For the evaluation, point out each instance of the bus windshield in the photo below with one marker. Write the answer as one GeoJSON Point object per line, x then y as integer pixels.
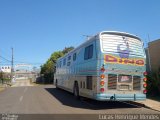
{"type": "Point", "coordinates": [122, 44]}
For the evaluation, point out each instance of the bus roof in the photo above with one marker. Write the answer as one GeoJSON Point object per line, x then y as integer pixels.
{"type": "Point", "coordinates": [98, 36]}
{"type": "Point", "coordinates": [120, 33]}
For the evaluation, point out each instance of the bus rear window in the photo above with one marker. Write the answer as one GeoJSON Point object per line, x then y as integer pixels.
{"type": "Point", "coordinates": [122, 44]}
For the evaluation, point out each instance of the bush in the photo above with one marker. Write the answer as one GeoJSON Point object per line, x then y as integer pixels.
{"type": "Point", "coordinates": [153, 83]}
{"type": "Point", "coordinates": [48, 77]}
{"type": "Point", "coordinates": [6, 79]}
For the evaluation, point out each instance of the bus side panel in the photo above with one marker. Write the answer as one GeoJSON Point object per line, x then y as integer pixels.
{"type": "Point", "coordinates": [85, 72]}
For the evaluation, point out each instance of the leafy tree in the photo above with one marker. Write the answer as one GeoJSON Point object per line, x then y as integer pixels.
{"type": "Point", "coordinates": [55, 56]}
{"type": "Point", "coordinates": [67, 49]}
{"type": "Point", "coordinates": [48, 69]}
{"type": "Point", "coordinates": [153, 83]}
{"type": "Point", "coordinates": [1, 77]}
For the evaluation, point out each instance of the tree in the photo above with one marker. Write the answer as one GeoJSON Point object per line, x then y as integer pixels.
{"type": "Point", "coordinates": [55, 56]}
{"type": "Point", "coordinates": [1, 76]}
{"type": "Point", "coordinates": [48, 69]}
{"type": "Point", "coordinates": [67, 49]}
{"type": "Point", "coordinates": [153, 83]}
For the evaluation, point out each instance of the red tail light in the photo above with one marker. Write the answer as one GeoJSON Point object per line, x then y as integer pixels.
{"type": "Point", "coordinates": [145, 73]}
{"type": "Point", "coordinates": [102, 69]}
{"type": "Point", "coordinates": [102, 89]}
{"type": "Point", "coordinates": [145, 79]}
{"type": "Point", "coordinates": [102, 83]}
{"type": "Point", "coordinates": [144, 91]}
{"type": "Point", "coordinates": [102, 76]}
{"type": "Point", "coordinates": [144, 85]}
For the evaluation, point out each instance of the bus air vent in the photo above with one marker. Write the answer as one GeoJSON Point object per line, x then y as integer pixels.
{"type": "Point", "coordinates": [112, 82]}
{"type": "Point", "coordinates": [136, 83]}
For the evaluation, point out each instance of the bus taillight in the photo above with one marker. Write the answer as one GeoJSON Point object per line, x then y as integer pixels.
{"type": "Point", "coordinates": [102, 89]}
{"type": "Point", "coordinates": [145, 79]}
{"type": "Point", "coordinates": [145, 85]}
{"type": "Point", "coordinates": [102, 76]}
{"type": "Point", "coordinates": [102, 83]}
{"type": "Point", "coordinates": [102, 69]}
{"type": "Point", "coordinates": [145, 73]}
{"type": "Point", "coordinates": [144, 91]}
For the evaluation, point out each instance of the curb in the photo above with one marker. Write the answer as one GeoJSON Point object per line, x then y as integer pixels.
{"type": "Point", "coordinates": [143, 105]}
{"type": "Point", "coordinates": [137, 103]}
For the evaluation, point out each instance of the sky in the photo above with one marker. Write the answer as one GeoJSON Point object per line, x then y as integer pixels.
{"type": "Point", "coordinates": [37, 28]}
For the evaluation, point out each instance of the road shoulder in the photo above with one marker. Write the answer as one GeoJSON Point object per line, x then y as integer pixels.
{"type": "Point", "coordinates": [152, 104]}
{"type": "Point", "coordinates": [2, 87]}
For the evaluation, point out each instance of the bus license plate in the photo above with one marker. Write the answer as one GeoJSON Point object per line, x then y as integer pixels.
{"type": "Point", "coordinates": [124, 87]}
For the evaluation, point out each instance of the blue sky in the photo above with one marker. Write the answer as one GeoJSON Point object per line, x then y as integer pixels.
{"type": "Point", "coordinates": [37, 28]}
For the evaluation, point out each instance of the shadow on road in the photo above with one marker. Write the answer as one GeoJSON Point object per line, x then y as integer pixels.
{"type": "Point", "coordinates": [68, 99]}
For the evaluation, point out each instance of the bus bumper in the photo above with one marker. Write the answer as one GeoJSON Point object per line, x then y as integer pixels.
{"type": "Point", "coordinates": [120, 97]}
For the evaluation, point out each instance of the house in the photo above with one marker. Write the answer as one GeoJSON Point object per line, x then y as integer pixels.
{"type": "Point", "coordinates": [5, 69]}
{"type": "Point", "coordinates": [153, 55]}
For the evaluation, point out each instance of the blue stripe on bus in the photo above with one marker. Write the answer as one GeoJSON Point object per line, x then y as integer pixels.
{"type": "Point", "coordinates": [122, 97]}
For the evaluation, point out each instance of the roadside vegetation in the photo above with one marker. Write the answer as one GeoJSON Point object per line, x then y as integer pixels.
{"type": "Point", "coordinates": [153, 83]}
{"type": "Point", "coordinates": [4, 78]}
{"type": "Point", "coordinates": [48, 69]}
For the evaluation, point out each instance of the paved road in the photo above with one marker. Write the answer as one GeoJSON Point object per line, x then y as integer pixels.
{"type": "Point", "coordinates": [46, 99]}
{"type": "Point", "coordinates": [19, 83]}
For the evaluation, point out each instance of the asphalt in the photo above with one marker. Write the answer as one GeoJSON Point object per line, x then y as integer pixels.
{"type": "Point", "coordinates": [46, 99]}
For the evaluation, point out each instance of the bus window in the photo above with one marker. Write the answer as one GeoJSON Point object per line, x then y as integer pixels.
{"type": "Point", "coordinates": [74, 56]}
{"type": "Point", "coordinates": [60, 64]}
{"type": "Point", "coordinates": [69, 58]}
{"type": "Point", "coordinates": [64, 61]}
{"type": "Point", "coordinates": [68, 63]}
{"type": "Point", "coordinates": [88, 54]}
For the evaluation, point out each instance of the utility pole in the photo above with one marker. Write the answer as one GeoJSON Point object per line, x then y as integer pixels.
{"type": "Point", "coordinates": [149, 59]}
{"type": "Point", "coordinates": [12, 64]}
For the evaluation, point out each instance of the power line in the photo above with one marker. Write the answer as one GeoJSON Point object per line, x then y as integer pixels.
{"type": "Point", "coordinates": [5, 59]}
{"type": "Point", "coordinates": [12, 69]}
{"type": "Point", "coordinates": [5, 64]}
{"type": "Point", "coordinates": [10, 61]}
{"type": "Point", "coordinates": [28, 62]}
{"type": "Point", "coordinates": [4, 53]}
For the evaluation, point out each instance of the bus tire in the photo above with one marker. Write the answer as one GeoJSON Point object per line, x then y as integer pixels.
{"type": "Point", "coordinates": [76, 90]}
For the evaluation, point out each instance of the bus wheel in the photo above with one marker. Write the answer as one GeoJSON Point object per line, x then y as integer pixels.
{"type": "Point", "coordinates": [76, 90]}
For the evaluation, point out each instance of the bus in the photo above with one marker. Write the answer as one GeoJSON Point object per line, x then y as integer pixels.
{"type": "Point", "coordinates": [110, 66]}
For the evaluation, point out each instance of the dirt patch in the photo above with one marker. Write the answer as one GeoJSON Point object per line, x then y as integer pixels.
{"type": "Point", "coordinates": [1, 89]}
